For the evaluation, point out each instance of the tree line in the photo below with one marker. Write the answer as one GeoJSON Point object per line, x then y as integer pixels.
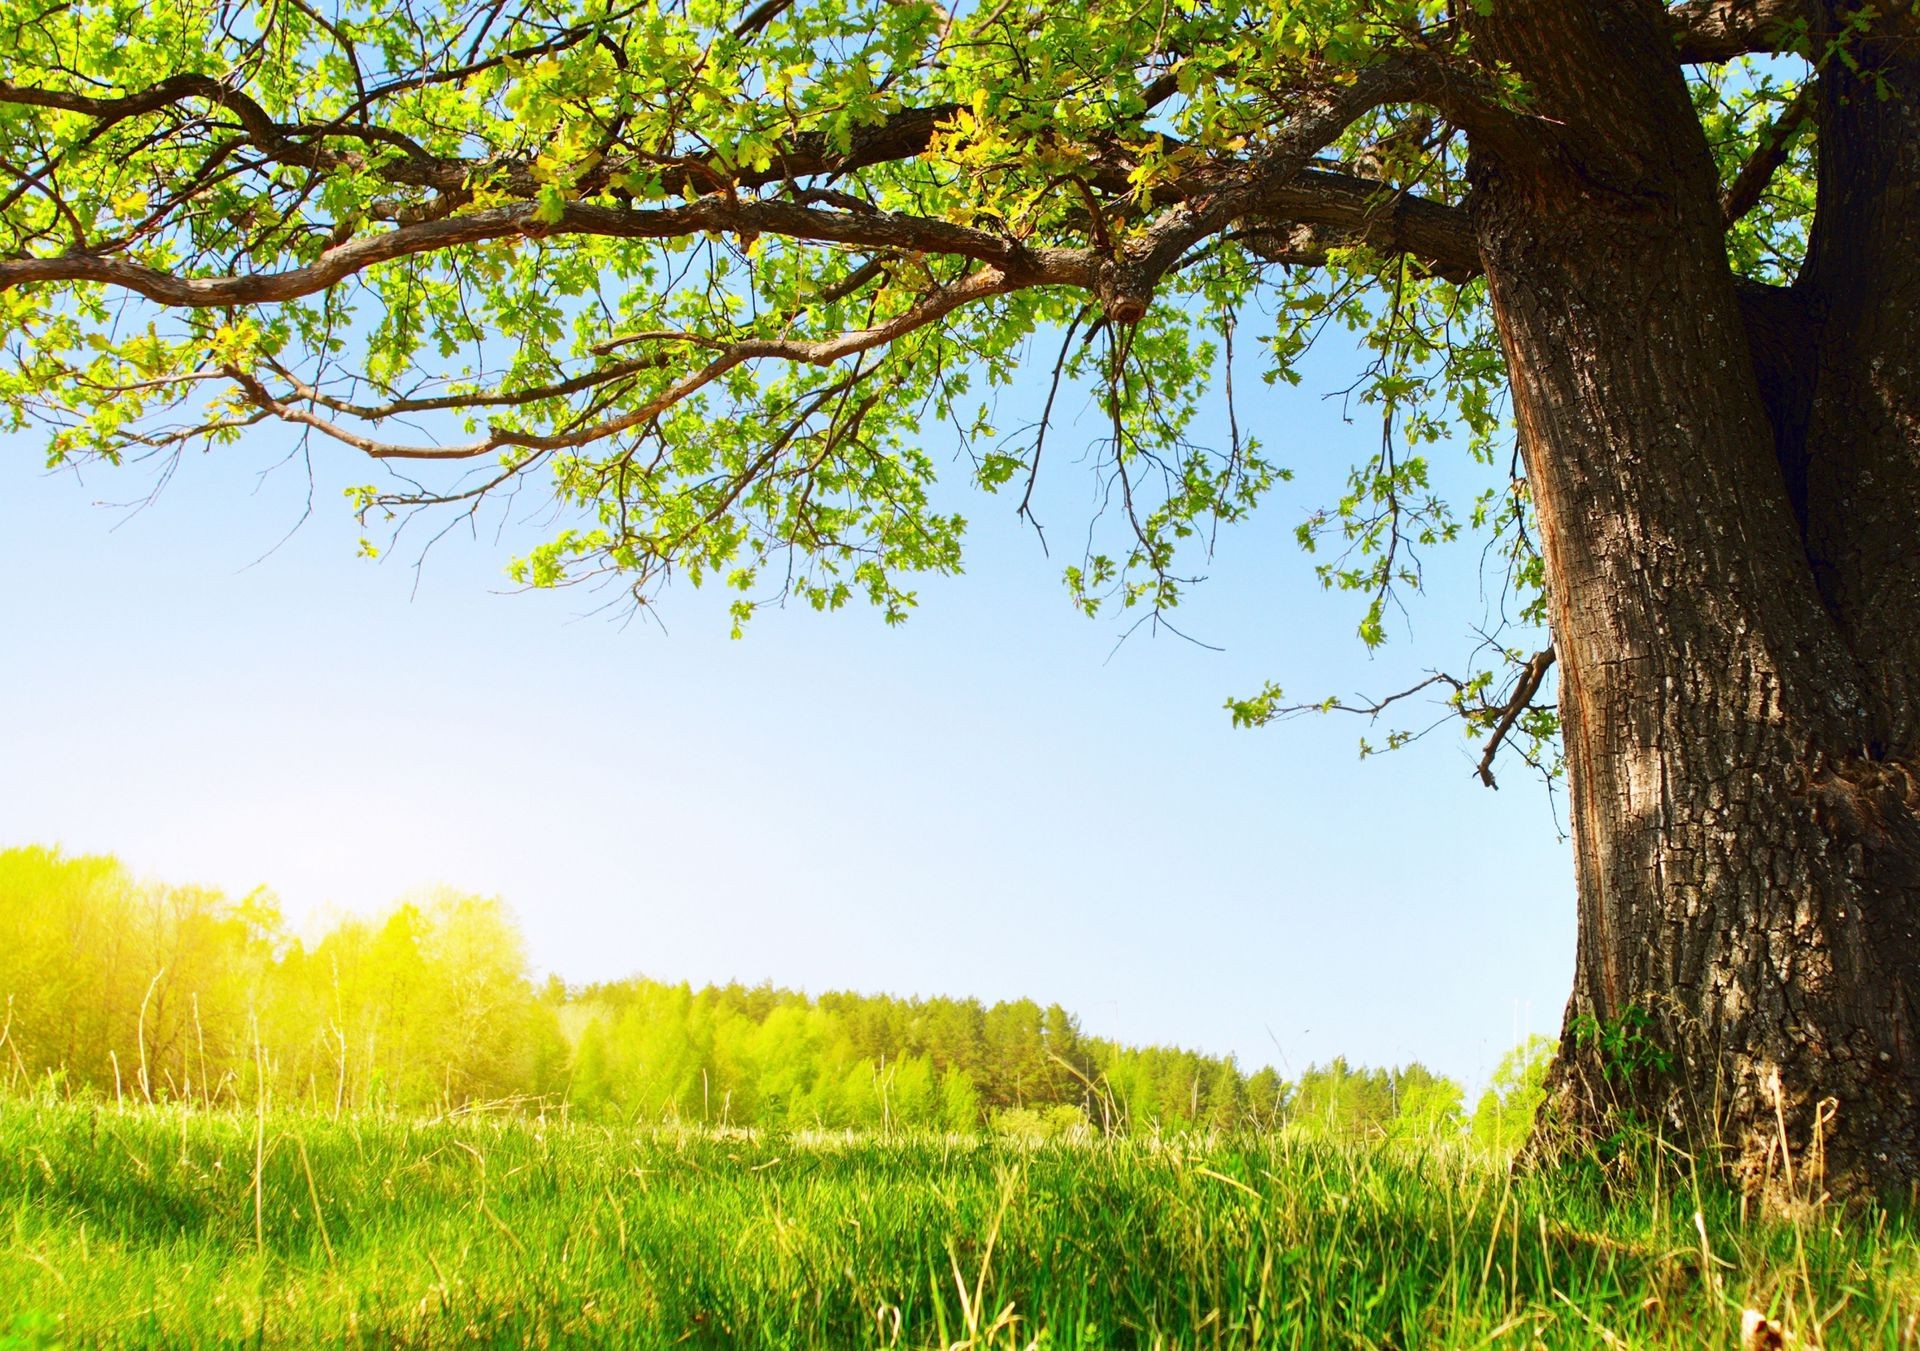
{"type": "Point", "coordinates": [148, 993]}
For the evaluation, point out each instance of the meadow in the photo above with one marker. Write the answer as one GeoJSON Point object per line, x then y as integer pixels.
{"type": "Point", "coordinates": [168, 1225]}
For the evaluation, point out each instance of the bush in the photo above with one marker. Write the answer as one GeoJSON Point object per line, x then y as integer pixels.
{"type": "Point", "coordinates": [1042, 1124]}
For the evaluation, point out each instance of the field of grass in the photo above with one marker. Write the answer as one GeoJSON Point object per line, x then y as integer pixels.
{"type": "Point", "coordinates": [161, 1227]}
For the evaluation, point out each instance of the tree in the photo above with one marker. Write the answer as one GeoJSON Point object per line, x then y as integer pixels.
{"type": "Point", "coordinates": [1513, 1095]}
{"type": "Point", "coordinates": [959, 1102]}
{"type": "Point", "coordinates": [1426, 1106]}
{"type": "Point", "coordinates": [711, 271]}
{"type": "Point", "coordinates": [1343, 1103]}
{"type": "Point", "coordinates": [1266, 1095]}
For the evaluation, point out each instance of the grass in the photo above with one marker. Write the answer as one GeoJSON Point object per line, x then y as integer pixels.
{"type": "Point", "coordinates": [162, 1227]}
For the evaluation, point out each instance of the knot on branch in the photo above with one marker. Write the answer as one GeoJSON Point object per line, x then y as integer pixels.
{"type": "Point", "coordinates": [1124, 291]}
{"type": "Point", "coordinates": [1866, 798]}
{"type": "Point", "coordinates": [1285, 242]}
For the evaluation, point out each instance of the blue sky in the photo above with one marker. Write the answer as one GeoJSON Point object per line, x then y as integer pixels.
{"type": "Point", "coordinates": [991, 800]}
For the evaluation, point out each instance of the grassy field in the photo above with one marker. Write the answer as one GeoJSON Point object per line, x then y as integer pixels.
{"type": "Point", "coordinates": [170, 1228]}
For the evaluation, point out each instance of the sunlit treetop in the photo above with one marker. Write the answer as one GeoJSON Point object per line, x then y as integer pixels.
{"type": "Point", "coordinates": [729, 282]}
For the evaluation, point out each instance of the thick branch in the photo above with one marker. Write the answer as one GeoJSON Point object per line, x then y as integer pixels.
{"type": "Point", "coordinates": [174, 89]}
{"type": "Point", "coordinates": [1126, 286]}
{"type": "Point", "coordinates": [1360, 211]}
{"type": "Point", "coordinates": [1722, 30]}
{"type": "Point", "coordinates": [711, 215]}
{"type": "Point", "coordinates": [1353, 208]}
{"type": "Point", "coordinates": [1783, 335]}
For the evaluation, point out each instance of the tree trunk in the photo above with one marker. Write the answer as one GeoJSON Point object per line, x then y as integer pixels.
{"type": "Point", "coordinates": [1728, 492]}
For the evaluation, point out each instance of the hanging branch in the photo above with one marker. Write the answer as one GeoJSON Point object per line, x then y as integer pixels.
{"type": "Point", "coordinates": [1521, 700]}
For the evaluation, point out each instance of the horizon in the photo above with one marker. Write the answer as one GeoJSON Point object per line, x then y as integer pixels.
{"type": "Point", "coordinates": [310, 930]}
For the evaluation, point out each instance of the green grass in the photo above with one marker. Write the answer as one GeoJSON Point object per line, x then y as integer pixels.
{"type": "Point", "coordinates": [147, 1228]}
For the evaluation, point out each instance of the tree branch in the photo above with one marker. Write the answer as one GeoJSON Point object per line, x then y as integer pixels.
{"type": "Point", "coordinates": [1125, 286]}
{"type": "Point", "coordinates": [1355, 209]}
{"type": "Point", "coordinates": [174, 89]}
{"type": "Point", "coordinates": [902, 135]}
{"type": "Point", "coordinates": [1271, 184]}
{"type": "Point", "coordinates": [1524, 689]}
{"type": "Point", "coordinates": [819, 352]}
{"type": "Point", "coordinates": [762, 15]}
{"type": "Point", "coordinates": [1361, 211]}
{"type": "Point", "coordinates": [1722, 30]}
{"type": "Point", "coordinates": [1750, 184]}
{"type": "Point", "coordinates": [718, 214]}
{"type": "Point", "coordinates": [561, 389]}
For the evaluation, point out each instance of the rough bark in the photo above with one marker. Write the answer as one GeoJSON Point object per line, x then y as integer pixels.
{"type": "Point", "coordinates": [1738, 699]}
{"type": "Point", "coordinates": [1863, 436]}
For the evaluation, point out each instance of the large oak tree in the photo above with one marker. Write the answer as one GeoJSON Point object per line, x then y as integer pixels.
{"type": "Point", "coordinates": [714, 275]}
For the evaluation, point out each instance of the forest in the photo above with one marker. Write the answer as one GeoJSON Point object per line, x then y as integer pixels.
{"type": "Point", "coordinates": [140, 992]}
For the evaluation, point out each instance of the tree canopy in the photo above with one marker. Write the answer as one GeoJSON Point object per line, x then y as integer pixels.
{"type": "Point", "coordinates": [723, 280]}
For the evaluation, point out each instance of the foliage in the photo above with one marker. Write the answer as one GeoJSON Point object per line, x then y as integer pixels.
{"type": "Point", "coordinates": [1340, 1102]}
{"type": "Point", "coordinates": [738, 1055]}
{"type": "Point", "coordinates": [1627, 1043]}
{"type": "Point", "coordinates": [1505, 1112]}
{"type": "Point", "coordinates": [1036, 1125]}
{"type": "Point", "coordinates": [157, 1227]}
{"type": "Point", "coordinates": [151, 993]}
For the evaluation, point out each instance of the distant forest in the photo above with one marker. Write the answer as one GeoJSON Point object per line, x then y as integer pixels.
{"type": "Point", "coordinates": [146, 993]}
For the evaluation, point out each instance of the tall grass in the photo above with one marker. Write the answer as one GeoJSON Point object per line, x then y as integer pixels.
{"type": "Point", "coordinates": [163, 1226]}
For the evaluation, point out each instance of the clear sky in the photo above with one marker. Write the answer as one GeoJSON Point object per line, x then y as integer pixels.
{"type": "Point", "coordinates": [991, 800]}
